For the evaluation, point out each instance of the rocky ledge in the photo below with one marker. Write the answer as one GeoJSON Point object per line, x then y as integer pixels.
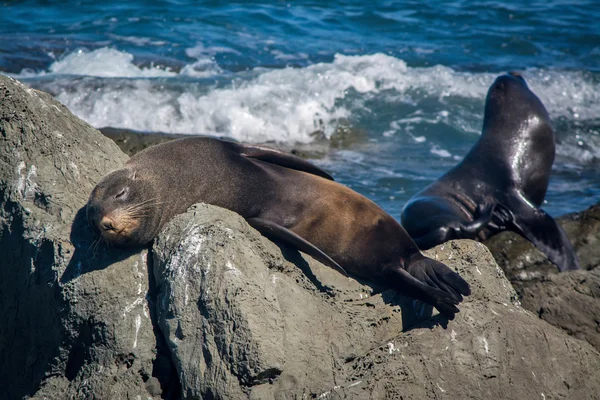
{"type": "Point", "coordinates": [569, 300]}
{"type": "Point", "coordinates": [215, 310]}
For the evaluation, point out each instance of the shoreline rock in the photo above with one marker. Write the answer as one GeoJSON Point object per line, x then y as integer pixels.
{"type": "Point", "coordinates": [131, 142]}
{"type": "Point", "coordinates": [245, 322]}
{"type": "Point", "coordinates": [568, 300]}
{"type": "Point", "coordinates": [214, 309]}
{"type": "Point", "coordinates": [72, 325]}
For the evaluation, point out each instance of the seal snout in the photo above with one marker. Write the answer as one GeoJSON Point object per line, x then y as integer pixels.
{"type": "Point", "coordinates": [118, 226]}
{"type": "Point", "coordinates": [106, 224]}
{"type": "Point", "coordinates": [508, 85]}
{"type": "Point", "coordinates": [115, 226]}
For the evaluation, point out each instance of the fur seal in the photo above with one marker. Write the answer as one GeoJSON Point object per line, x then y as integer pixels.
{"type": "Point", "coordinates": [282, 196]}
{"type": "Point", "coordinates": [500, 184]}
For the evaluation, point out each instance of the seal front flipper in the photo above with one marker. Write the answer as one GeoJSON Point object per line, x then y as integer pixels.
{"type": "Point", "coordinates": [276, 231]}
{"type": "Point", "coordinates": [431, 220]}
{"type": "Point", "coordinates": [429, 281]}
{"type": "Point", "coordinates": [280, 158]}
{"type": "Point", "coordinates": [542, 230]}
{"type": "Point", "coordinates": [427, 220]}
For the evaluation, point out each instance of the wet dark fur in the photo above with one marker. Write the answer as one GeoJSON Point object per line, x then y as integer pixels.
{"type": "Point", "coordinates": [500, 184]}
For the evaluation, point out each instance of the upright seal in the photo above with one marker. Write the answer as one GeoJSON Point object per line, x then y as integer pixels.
{"type": "Point", "coordinates": [283, 197]}
{"type": "Point", "coordinates": [500, 184]}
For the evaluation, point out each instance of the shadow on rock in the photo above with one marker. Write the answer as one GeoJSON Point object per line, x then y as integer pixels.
{"type": "Point", "coordinates": [164, 381]}
{"type": "Point", "coordinates": [294, 256]}
{"type": "Point", "coordinates": [415, 313]}
{"type": "Point", "coordinates": [91, 254]}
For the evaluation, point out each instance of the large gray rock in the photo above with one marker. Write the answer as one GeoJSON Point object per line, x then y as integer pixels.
{"type": "Point", "coordinates": [245, 319]}
{"type": "Point", "coordinates": [215, 310]}
{"type": "Point", "coordinates": [569, 300]}
{"type": "Point", "coordinates": [75, 319]}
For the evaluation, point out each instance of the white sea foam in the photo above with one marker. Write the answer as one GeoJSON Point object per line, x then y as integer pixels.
{"type": "Point", "coordinates": [104, 62]}
{"type": "Point", "coordinates": [205, 65]}
{"type": "Point", "coordinates": [570, 94]}
{"type": "Point", "coordinates": [291, 103]}
{"type": "Point", "coordinates": [110, 63]}
{"type": "Point", "coordinates": [575, 148]}
{"type": "Point", "coordinates": [440, 152]}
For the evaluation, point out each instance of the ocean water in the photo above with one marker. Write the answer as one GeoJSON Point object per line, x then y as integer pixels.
{"type": "Point", "coordinates": [392, 92]}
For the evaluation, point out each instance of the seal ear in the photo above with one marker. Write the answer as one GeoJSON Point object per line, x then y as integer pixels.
{"type": "Point", "coordinates": [542, 230]}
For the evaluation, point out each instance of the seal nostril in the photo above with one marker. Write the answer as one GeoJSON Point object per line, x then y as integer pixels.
{"type": "Point", "coordinates": [107, 225]}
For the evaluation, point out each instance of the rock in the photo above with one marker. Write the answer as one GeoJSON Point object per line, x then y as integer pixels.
{"type": "Point", "coordinates": [569, 300]}
{"type": "Point", "coordinates": [524, 263]}
{"type": "Point", "coordinates": [246, 319]}
{"type": "Point", "coordinates": [239, 316]}
{"type": "Point", "coordinates": [74, 324]}
{"type": "Point", "coordinates": [215, 310]}
{"type": "Point", "coordinates": [131, 142]}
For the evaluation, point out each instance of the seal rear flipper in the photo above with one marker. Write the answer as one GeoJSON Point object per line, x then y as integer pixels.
{"type": "Point", "coordinates": [280, 158]}
{"type": "Point", "coordinates": [430, 281]}
{"type": "Point", "coordinates": [276, 231]}
{"type": "Point", "coordinates": [542, 230]}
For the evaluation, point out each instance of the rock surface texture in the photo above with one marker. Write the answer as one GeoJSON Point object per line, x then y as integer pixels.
{"type": "Point", "coordinates": [215, 310]}
{"type": "Point", "coordinates": [568, 300]}
{"type": "Point", "coordinates": [76, 322]}
{"type": "Point", "coordinates": [242, 322]}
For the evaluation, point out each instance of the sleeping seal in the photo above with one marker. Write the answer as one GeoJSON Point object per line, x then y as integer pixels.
{"type": "Point", "coordinates": [280, 195]}
{"type": "Point", "coordinates": [500, 184]}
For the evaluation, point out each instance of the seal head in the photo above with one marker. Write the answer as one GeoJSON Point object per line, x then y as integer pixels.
{"type": "Point", "coordinates": [122, 209]}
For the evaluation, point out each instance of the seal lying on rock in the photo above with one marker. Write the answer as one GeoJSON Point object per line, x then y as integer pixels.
{"type": "Point", "coordinates": [280, 195]}
{"type": "Point", "coordinates": [500, 184]}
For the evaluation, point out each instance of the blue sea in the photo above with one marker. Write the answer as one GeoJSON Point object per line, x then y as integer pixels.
{"type": "Point", "coordinates": [392, 92]}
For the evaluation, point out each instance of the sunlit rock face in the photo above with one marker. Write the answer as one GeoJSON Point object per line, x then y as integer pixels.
{"type": "Point", "coordinates": [215, 310]}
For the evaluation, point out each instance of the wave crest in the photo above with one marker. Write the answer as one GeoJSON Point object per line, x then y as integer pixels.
{"type": "Point", "coordinates": [290, 104]}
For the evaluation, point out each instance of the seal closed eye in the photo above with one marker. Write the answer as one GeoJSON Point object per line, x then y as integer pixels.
{"type": "Point", "coordinates": [282, 196]}
{"type": "Point", "coordinates": [500, 184]}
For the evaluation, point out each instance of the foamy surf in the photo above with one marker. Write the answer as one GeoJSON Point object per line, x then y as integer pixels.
{"type": "Point", "coordinates": [104, 62]}
{"type": "Point", "coordinates": [405, 93]}
{"type": "Point", "coordinates": [291, 104]}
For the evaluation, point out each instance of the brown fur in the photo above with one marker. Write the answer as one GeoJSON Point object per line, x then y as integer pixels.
{"type": "Point", "coordinates": [343, 224]}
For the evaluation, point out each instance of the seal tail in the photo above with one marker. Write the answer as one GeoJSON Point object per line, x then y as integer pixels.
{"type": "Point", "coordinates": [432, 282]}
